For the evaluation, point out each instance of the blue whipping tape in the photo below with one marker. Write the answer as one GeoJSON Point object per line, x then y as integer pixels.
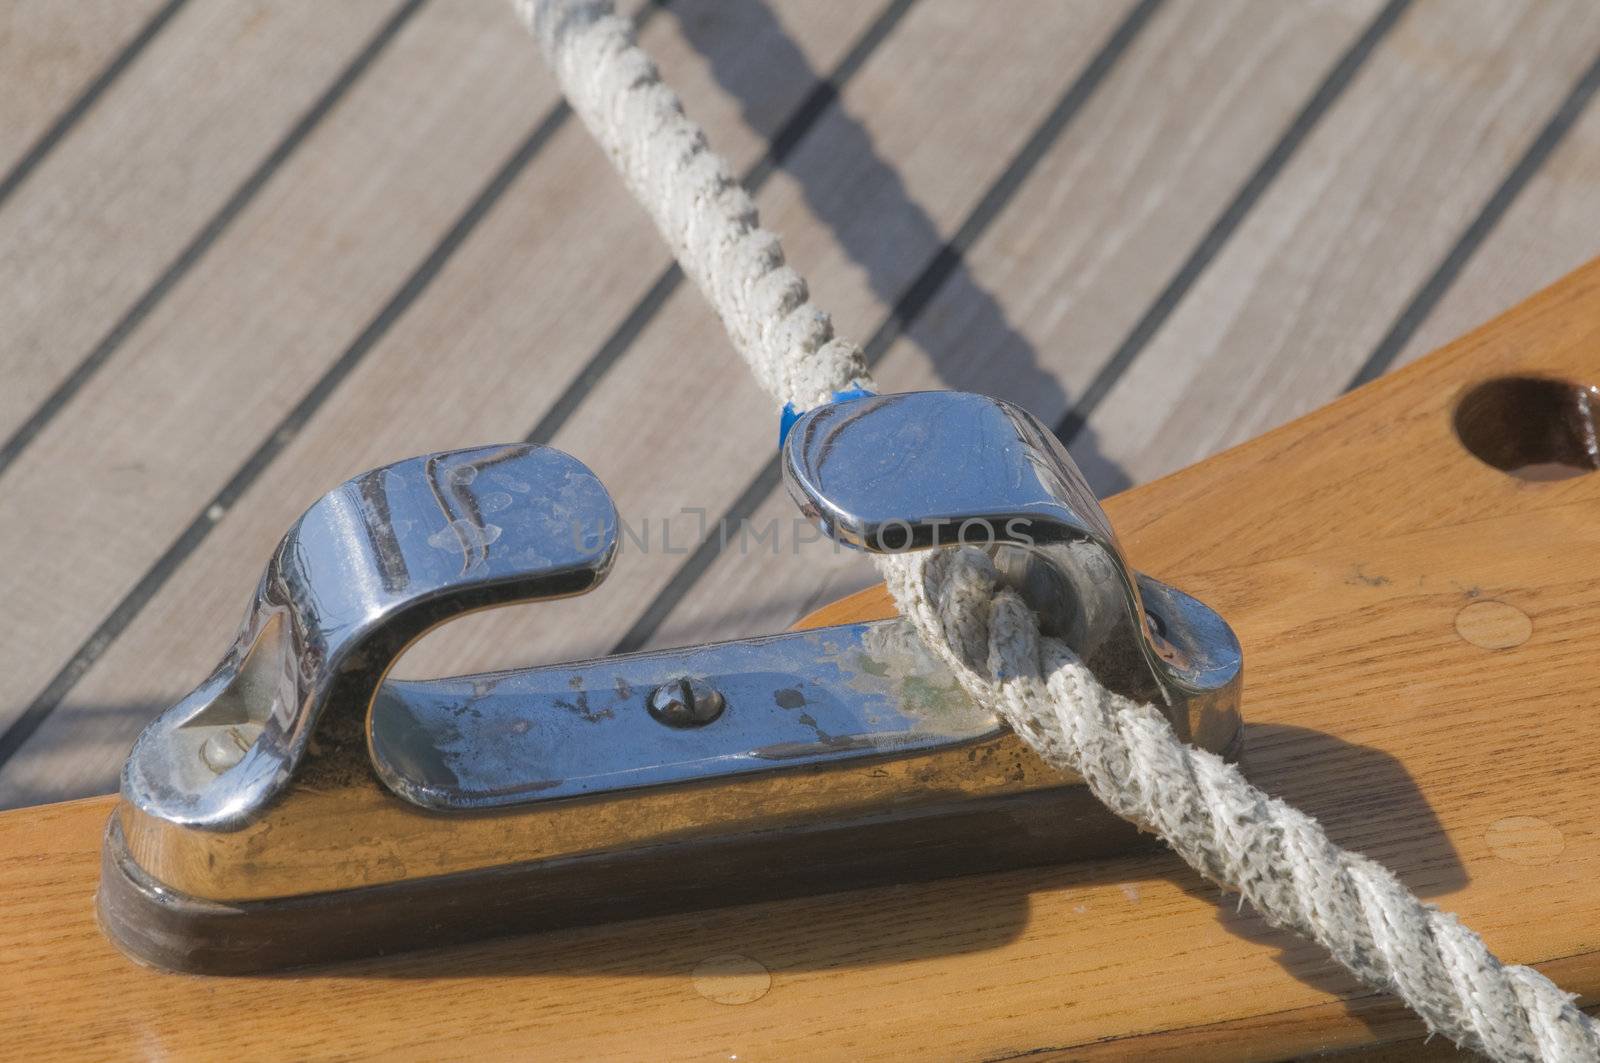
{"type": "Point", "coordinates": [791, 415]}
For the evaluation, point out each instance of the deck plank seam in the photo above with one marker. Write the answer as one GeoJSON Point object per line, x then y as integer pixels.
{"type": "Point", "coordinates": [204, 239]}
{"type": "Point", "coordinates": [790, 135]}
{"type": "Point", "coordinates": [915, 298]}
{"type": "Point", "coordinates": [16, 735]}
{"type": "Point", "coordinates": [1332, 88]}
{"type": "Point", "coordinates": [1495, 208]}
{"type": "Point", "coordinates": [87, 97]}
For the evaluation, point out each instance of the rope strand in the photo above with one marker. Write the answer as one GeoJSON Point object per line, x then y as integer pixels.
{"type": "Point", "coordinates": [699, 206]}
{"type": "Point", "coordinates": [1278, 858]}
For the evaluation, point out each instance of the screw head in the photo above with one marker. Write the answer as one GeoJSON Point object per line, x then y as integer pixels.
{"type": "Point", "coordinates": [685, 702]}
{"type": "Point", "coordinates": [225, 749]}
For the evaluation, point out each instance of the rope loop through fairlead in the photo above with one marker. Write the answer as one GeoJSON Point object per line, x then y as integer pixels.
{"type": "Point", "coordinates": [1276, 857]}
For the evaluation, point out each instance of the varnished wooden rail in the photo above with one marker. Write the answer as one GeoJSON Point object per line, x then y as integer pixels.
{"type": "Point", "coordinates": [1419, 629]}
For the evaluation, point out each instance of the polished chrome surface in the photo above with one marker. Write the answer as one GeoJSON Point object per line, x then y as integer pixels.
{"type": "Point", "coordinates": [296, 768]}
{"type": "Point", "coordinates": [926, 469]}
{"type": "Point", "coordinates": [830, 696]}
{"type": "Point", "coordinates": [685, 702]}
{"type": "Point", "coordinates": [368, 568]}
{"type": "Point", "coordinates": [396, 551]}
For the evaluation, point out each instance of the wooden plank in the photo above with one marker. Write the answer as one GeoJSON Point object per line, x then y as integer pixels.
{"type": "Point", "coordinates": [764, 601]}
{"type": "Point", "coordinates": [1291, 307]}
{"type": "Point", "coordinates": [1551, 228]}
{"type": "Point", "coordinates": [1463, 767]}
{"type": "Point", "coordinates": [1066, 270]}
{"type": "Point", "coordinates": [567, 253]}
{"type": "Point", "coordinates": [867, 200]}
{"type": "Point", "coordinates": [106, 211]}
{"type": "Point", "coordinates": [50, 53]}
{"type": "Point", "coordinates": [307, 263]}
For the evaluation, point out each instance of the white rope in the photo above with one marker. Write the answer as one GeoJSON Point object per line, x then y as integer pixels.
{"type": "Point", "coordinates": [1277, 857]}
{"type": "Point", "coordinates": [702, 210]}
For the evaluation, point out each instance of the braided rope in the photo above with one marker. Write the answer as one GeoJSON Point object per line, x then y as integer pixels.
{"type": "Point", "coordinates": [705, 214]}
{"type": "Point", "coordinates": [1277, 857]}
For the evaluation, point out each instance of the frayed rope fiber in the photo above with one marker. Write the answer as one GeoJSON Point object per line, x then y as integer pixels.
{"type": "Point", "coordinates": [1276, 857]}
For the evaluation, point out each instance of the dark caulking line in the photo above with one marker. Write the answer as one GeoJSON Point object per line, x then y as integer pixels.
{"type": "Point", "coordinates": [202, 242]}
{"type": "Point", "coordinates": [1322, 100]}
{"type": "Point", "coordinates": [781, 146]}
{"type": "Point", "coordinates": [1472, 237]}
{"type": "Point", "coordinates": [910, 304]}
{"type": "Point", "coordinates": [85, 100]}
{"type": "Point", "coordinates": [153, 580]}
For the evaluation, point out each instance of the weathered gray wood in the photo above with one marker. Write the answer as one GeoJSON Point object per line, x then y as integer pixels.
{"type": "Point", "coordinates": [533, 291]}
{"type": "Point", "coordinates": [50, 52]}
{"type": "Point", "coordinates": [1381, 179]}
{"type": "Point", "coordinates": [867, 200]}
{"type": "Point", "coordinates": [219, 361]}
{"type": "Point", "coordinates": [1068, 268]}
{"type": "Point", "coordinates": [1552, 228]}
{"type": "Point", "coordinates": [1277, 322]}
{"type": "Point", "coordinates": [1290, 310]}
{"type": "Point", "coordinates": [104, 213]}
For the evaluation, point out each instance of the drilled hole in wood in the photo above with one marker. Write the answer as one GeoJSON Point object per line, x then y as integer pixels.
{"type": "Point", "coordinates": [1533, 428]}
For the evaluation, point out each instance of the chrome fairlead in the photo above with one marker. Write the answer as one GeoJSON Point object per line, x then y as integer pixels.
{"type": "Point", "coordinates": [300, 807]}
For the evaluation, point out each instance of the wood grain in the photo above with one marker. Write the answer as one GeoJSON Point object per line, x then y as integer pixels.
{"type": "Point", "coordinates": [1442, 110]}
{"type": "Point", "coordinates": [1549, 231]}
{"type": "Point", "coordinates": [1294, 304]}
{"type": "Point", "coordinates": [472, 362]}
{"type": "Point", "coordinates": [558, 241]}
{"type": "Point", "coordinates": [50, 52]}
{"type": "Point", "coordinates": [1065, 271]}
{"type": "Point", "coordinates": [866, 200]}
{"type": "Point", "coordinates": [1284, 316]}
{"type": "Point", "coordinates": [348, 216]}
{"type": "Point", "coordinates": [104, 213]}
{"type": "Point", "coordinates": [1342, 548]}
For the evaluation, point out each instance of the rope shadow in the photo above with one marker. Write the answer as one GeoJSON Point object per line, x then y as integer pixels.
{"type": "Point", "coordinates": [998, 351]}
{"type": "Point", "coordinates": [1367, 802]}
{"type": "Point", "coordinates": [1365, 798]}
{"type": "Point", "coordinates": [977, 913]}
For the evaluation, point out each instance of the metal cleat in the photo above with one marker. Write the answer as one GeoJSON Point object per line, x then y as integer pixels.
{"type": "Point", "coordinates": [299, 807]}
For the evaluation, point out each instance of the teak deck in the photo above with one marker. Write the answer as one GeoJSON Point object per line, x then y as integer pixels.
{"type": "Point", "coordinates": [1418, 629]}
{"type": "Point", "coordinates": [248, 249]}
